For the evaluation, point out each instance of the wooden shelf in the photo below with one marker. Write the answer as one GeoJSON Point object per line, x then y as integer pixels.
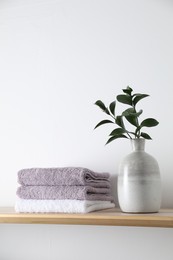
{"type": "Point", "coordinates": [112, 217]}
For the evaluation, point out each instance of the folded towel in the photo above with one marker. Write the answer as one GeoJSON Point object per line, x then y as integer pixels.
{"type": "Point", "coordinates": [63, 176]}
{"type": "Point", "coordinates": [64, 192]}
{"type": "Point", "coordinates": [65, 206]}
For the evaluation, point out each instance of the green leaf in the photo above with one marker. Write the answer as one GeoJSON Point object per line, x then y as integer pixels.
{"type": "Point", "coordinates": [145, 135]}
{"type": "Point", "coordinates": [128, 112]}
{"type": "Point", "coordinates": [102, 123]}
{"type": "Point", "coordinates": [116, 137]}
{"type": "Point", "coordinates": [107, 111]}
{"type": "Point", "coordinates": [138, 97]}
{"type": "Point", "coordinates": [132, 119]}
{"type": "Point", "coordinates": [131, 116]}
{"type": "Point", "coordinates": [149, 122]}
{"type": "Point", "coordinates": [132, 112]}
{"type": "Point", "coordinates": [128, 90]}
{"type": "Point", "coordinates": [100, 104]}
{"type": "Point", "coordinates": [112, 107]}
{"type": "Point", "coordinates": [139, 113]}
{"type": "Point", "coordinates": [119, 121]}
{"type": "Point", "coordinates": [124, 99]}
{"type": "Point", "coordinates": [118, 131]}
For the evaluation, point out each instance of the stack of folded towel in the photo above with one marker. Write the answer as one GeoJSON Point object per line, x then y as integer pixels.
{"type": "Point", "coordinates": [68, 190]}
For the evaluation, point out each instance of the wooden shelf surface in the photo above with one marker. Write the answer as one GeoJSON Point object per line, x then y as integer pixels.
{"type": "Point", "coordinates": [111, 217]}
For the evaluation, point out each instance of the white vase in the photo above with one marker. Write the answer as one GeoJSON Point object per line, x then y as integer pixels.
{"type": "Point", "coordinates": [139, 182]}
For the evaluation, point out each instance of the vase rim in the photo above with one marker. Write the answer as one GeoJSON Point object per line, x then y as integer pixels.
{"type": "Point", "coordinates": [138, 138]}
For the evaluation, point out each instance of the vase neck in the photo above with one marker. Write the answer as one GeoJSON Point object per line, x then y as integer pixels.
{"type": "Point", "coordinates": [138, 144]}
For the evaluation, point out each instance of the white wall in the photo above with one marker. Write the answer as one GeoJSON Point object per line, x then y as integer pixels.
{"type": "Point", "coordinates": [57, 57]}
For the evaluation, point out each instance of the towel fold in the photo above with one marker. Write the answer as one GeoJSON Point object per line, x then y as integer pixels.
{"type": "Point", "coordinates": [64, 192]}
{"type": "Point", "coordinates": [63, 206]}
{"type": "Point", "coordinates": [63, 176]}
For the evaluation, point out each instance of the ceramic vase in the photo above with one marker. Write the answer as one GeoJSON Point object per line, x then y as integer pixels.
{"type": "Point", "coordinates": [139, 181]}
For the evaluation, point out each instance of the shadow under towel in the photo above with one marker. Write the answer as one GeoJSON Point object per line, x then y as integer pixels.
{"type": "Point", "coordinates": [64, 192]}
{"type": "Point", "coordinates": [63, 176]}
{"type": "Point", "coordinates": [65, 206]}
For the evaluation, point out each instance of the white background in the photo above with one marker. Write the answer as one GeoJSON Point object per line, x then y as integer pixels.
{"type": "Point", "coordinates": [56, 59]}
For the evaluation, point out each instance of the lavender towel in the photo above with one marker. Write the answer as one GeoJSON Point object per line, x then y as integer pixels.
{"type": "Point", "coordinates": [64, 192]}
{"type": "Point", "coordinates": [63, 176]}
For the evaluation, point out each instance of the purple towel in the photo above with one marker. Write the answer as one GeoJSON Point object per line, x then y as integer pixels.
{"type": "Point", "coordinates": [63, 176]}
{"type": "Point", "coordinates": [64, 192]}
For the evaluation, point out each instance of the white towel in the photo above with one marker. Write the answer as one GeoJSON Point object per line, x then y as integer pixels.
{"type": "Point", "coordinates": [63, 206]}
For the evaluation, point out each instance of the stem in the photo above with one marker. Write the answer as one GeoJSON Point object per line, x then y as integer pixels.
{"type": "Point", "coordinates": [129, 135]}
{"type": "Point", "coordinates": [121, 127]}
{"type": "Point", "coordinates": [112, 116]}
{"type": "Point", "coordinates": [137, 132]}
